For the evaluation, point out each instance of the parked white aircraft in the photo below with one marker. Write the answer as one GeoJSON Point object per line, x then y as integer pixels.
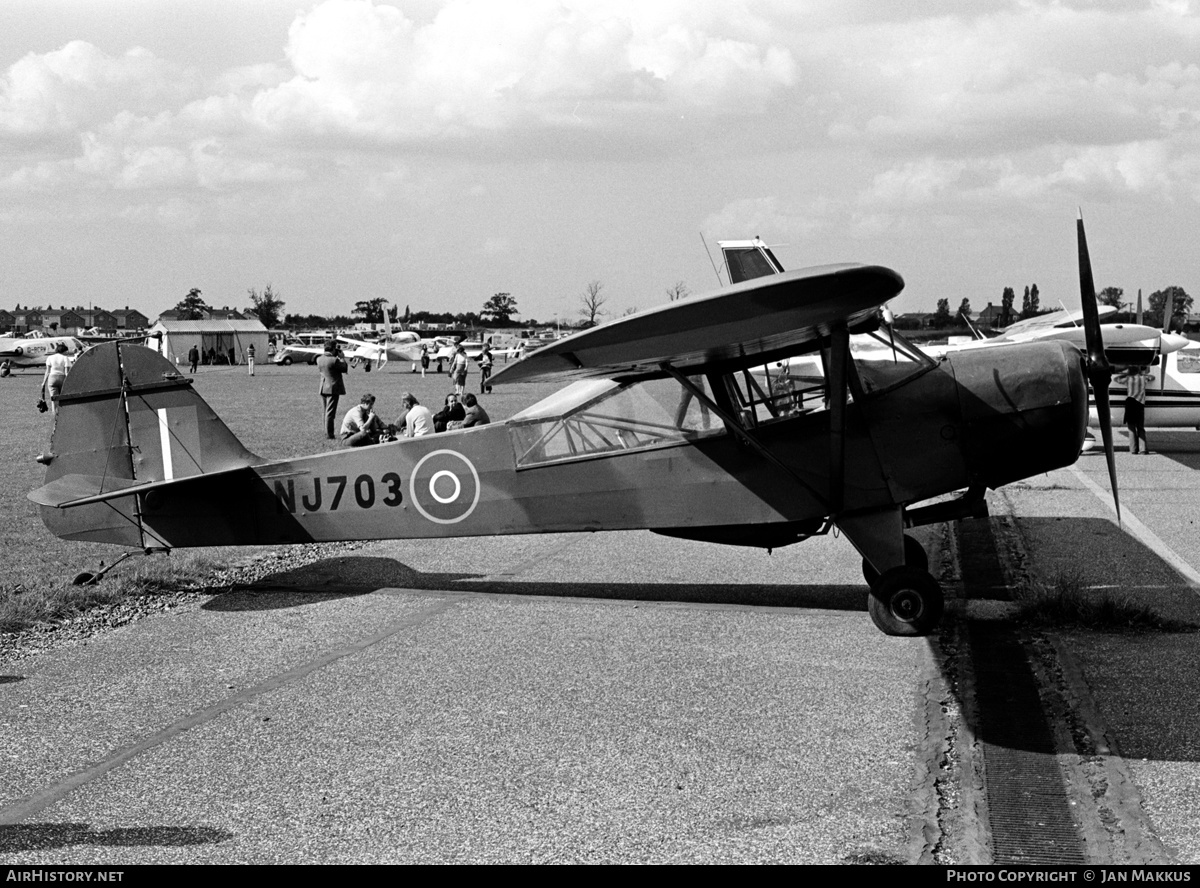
{"type": "Point", "coordinates": [1172, 398]}
{"type": "Point", "coordinates": [31, 350]}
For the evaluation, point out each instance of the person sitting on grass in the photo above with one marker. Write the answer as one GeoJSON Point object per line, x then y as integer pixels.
{"type": "Point", "coordinates": [418, 420]}
{"type": "Point", "coordinates": [361, 426]}
{"type": "Point", "coordinates": [475, 414]}
{"type": "Point", "coordinates": [452, 412]}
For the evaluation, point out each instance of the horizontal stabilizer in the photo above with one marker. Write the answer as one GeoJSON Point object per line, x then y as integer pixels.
{"type": "Point", "coordinates": [81, 490]}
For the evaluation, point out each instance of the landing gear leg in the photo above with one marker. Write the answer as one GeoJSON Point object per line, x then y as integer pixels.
{"type": "Point", "coordinates": [914, 556]}
{"type": "Point", "coordinates": [905, 599]}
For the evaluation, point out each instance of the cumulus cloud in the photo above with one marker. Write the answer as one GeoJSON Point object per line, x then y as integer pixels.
{"type": "Point", "coordinates": [985, 97]}
{"type": "Point", "coordinates": [80, 86]}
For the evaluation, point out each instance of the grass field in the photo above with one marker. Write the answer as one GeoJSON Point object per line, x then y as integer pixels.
{"type": "Point", "coordinates": [276, 414]}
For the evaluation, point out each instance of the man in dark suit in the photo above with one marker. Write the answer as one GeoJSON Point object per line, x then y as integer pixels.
{"type": "Point", "coordinates": [332, 367]}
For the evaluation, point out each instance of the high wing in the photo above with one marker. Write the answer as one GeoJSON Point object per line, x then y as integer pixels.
{"type": "Point", "coordinates": [749, 323]}
{"type": "Point", "coordinates": [1040, 325]}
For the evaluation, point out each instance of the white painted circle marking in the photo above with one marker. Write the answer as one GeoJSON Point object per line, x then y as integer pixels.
{"type": "Point", "coordinates": [453, 479]}
{"type": "Point", "coordinates": [458, 487]}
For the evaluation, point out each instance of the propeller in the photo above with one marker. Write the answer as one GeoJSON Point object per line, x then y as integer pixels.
{"type": "Point", "coordinates": [1168, 314]}
{"type": "Point", "coordinates": [1099, 371]}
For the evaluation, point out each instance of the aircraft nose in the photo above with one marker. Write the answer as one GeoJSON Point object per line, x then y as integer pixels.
{"type": "Point", "coordinates": [1172, 342]}
{"type": "Point", "coordinates": [1024, 409]}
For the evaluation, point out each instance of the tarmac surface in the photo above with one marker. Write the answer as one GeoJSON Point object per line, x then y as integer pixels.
{"type": "Point", "coordinates": [611, 698]}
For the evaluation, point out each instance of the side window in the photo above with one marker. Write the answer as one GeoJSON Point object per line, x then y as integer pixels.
{"type": "Point", "coordinates": [779, 390]}
{"type": "Point", "coordinates": [644, 415]}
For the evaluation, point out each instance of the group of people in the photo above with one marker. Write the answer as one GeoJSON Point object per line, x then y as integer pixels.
{"type": "Point", "coordinates": [362, 425]}
{"type": "Point", "coordinates": [194, 357]}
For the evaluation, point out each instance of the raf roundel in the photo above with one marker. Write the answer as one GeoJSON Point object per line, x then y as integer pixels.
{"type": "Point", "coordinates": [444, 487]}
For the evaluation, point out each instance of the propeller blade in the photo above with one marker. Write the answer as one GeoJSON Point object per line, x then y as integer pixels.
{"type": "Point", "coordinates": [1104, 413]}
{"type": "Point", "coordinates": [1099, 371]}
{"type": "Point", "coordinates": [1139, 314]}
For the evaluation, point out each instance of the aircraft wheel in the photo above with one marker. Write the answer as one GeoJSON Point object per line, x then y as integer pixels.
{"type": "Point", "coordinates": [86, 578]}
{"type": "Point", "coordinates": [367, 367]}
{"type": "Point", "coordinates": [906, 601]}
{"type": "Point", "coordinates": [914, 556]}
{"type": "Point", "coordinates": [287, 362]}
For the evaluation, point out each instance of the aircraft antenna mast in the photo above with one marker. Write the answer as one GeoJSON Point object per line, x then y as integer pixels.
{"type": "Point", "coordinates": [716, 270]}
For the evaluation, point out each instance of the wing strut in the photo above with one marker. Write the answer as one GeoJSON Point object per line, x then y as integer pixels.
{"type": "Point", "coordinates": [731, 423]}
{"type": "Point", "coordinates": [839, 353]}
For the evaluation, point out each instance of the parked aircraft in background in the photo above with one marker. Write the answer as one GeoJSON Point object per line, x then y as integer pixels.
{"type": "Point", "coordinates": [31, 350]}
{"type": "Point", "coordinates": [1172, 393]}
{"type": "Point", "coordinates": [404, 345]}
{"type": "Point", "coordinates": [664, 426]}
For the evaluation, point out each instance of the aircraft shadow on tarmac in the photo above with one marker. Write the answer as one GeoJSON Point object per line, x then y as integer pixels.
{"type": "Point", "coordinates": [1138, 678]}
{"type": "Point", "coordinates": [48, 836]}
{"type": "Point", "coordinates": [340, 577]}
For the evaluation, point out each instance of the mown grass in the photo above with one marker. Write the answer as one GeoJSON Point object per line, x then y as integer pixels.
{"type": "Point", "coordinates": [276, 414]}
{"type": "Point", "coordinates": [1066, 602]}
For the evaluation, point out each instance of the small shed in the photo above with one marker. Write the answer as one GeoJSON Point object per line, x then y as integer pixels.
{"type": "Point", "coordinates": [218, 340]}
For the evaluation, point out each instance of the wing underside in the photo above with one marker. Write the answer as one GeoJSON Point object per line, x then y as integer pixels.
{"type": "Point", "coordinates": [748, 323]}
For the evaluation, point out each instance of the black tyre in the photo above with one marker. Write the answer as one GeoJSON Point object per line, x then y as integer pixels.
{"type": "Point", "coordinates": [86, 578]}
{"type": "Point", "coordinates": [906, 601]}
{"type": "Point", "coordinates": [287, 362]}
{"type": "Point", "coordinates": [914, 556]}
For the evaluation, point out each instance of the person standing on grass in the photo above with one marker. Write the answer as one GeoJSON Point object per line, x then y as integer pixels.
{"type": "Point", "coordinates": [332, 368]}
{"type": "Point", "coordinates": [485, 369]}
{"type": "Point", "coordinates": [458, 370]}
{"type": "Point", "coordinates": [193, 358]}
{"type": "Point", "coordinates": [57, 365]}
{"type": "Point", "coordinates": [250, 357]}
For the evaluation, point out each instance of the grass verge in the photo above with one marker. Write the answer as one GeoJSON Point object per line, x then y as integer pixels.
{"type": "Point", "coordinates": [22, 607]}
{"type": "Point", "coordinates": [1068, 603]}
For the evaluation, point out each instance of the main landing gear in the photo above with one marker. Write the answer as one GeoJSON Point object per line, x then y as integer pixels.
{"type": "Point", "coordinates": [905, 600]}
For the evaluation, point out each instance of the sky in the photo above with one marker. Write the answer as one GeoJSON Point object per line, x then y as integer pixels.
{"type": "Point", "coordinates": [435, 153]}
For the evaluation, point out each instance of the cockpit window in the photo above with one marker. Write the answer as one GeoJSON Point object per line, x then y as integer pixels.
{"type": "Point", "coordinates": [884, 360]}
{"type": "Point", "coordinates": [602, 418]}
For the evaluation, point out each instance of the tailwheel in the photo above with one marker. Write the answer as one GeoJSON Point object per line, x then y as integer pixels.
{"type": "Point", "coordinates": [906, 601]}
{"type": "Point", "coordinates": [914, 556]}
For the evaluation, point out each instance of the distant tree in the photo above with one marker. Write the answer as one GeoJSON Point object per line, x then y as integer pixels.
{"type": "Point", "coordinates": [1177, 297]}
{"type": "Point", "coordinates": [592, 302]}
{"type": "Point", "coordinates": [1006, 307]}
{"type": "Point", "coordinates": [393, 314]}
{"type": "Point", "coordinates": [1113, 296]}
{"type": "Point", "coordinates": [1034, 305]}
{"type": "Point", "coordinates": [1025, 310]}
{"type": "Point", "coordinates": [941, 317]}
{"type": "Point", "coordinates": [632, 310]}
{"type": "Point", "coordinates": [192, 307]}
{"type": "Point", "coordinates": [370, 310]}
{"type": "Point", "coordinates": [677, 292]}
{"type": "Point", "coordinates": [500, 309]}
{"type": "Point", "coordinates": [964, 310]}
{"type": "Point", "coordinates": [266, 306]}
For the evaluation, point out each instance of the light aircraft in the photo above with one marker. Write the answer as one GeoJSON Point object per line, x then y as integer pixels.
{"type": "Point", "coordinates": [663, 427]}
{"type": "Point", "coordinates": [31, 350]}
{"type": "Point", "coordinates": [1172, 393]}
{"type": "Point", "coordinates": [1125, 345]}
{"type": "Point", "coordinates": [404, 345]}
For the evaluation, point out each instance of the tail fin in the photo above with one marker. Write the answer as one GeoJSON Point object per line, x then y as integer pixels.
{"type": "Point", "coordinates": [127, 422]}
